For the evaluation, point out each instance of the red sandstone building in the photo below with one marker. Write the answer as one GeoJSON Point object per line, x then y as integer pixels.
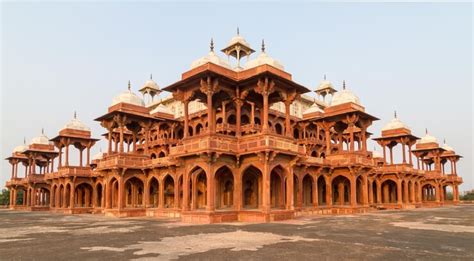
{"type": "Point", "coordinates": [233, 143]}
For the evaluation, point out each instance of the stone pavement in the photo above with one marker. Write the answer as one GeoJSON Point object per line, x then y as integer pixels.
{"type": "Point", "coordinates": [429, 233]}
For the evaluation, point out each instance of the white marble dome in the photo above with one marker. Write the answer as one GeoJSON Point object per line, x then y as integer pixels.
{"type": "Point", "coordinates": [211, 57]}
{"type": "Point", "coordinates": [264, 58]}
{"type": "Point", "coordinates": [344, 96]}
{"type": "Point", "coordinates": [20, 149]}
{"type": "Point", "coordinates": [151, 84]}
{"type": "Point", "coordinates": [395, 123]}
{"type": "Point", "coordinates": [324, 84]}
{"type": "Point", "coordinates": [41, 140]}
{"type": "Point", "coordinates": [314, 108]}
{"type": "Point", "coordinates": [98, 156]}
{"type": "Point", "coordinates": [161, 109]}
{"type": "Point", "coordinates": [427, 139]}
{"type": "Point", "coordinates": [76, 124]}
{"type": "Point", "coordinates": [447, 147]}
{"type": "Point", "coordinates": [128, 97]}
{"type": "Point", "coordinates": [238, 39]}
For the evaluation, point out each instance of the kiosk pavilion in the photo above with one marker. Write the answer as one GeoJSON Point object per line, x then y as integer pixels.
{"type": "Point", "coordinates": [233, 143]}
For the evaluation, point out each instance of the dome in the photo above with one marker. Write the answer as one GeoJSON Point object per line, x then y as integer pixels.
{"type": "Point", "coordinates": [395, 123]}
{"type": "Point", "coordinates": [238, 39]}
{"type": "Point", "coordinates": [211, 57]}
{"type": "Point", "coordinates": [344, 96]}
{"type": "Point", "coordinates": [376, 154]}
{"type": "Point", "coordinates": [161, 109]}
{"type": "Point", "coordinates": [314, 108]}
{"type": "Point", "coordinates": [20, 149]}
{"type": "Point", "coordinates": [128, 97]}
{"type": "Point", "coordinates": [427, 139]}
{"type": "Point", "coordinates": [41, 140]}
{"type": "Point", "coordinates": [76, 124]}
{"type": "Point", "coordinates": [151, 84]}
{"type": "Point", "coordinates": [98, 156]}
{"type": "Point", "coordinates": [447, 147]}
{"type": "Point", "coordinates": [325, 84]}
{"type": "Point", "coordinates": [264, 58]}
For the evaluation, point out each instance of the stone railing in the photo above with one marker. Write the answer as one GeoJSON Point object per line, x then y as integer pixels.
{"type": "Point", "coordinates": [250, 128]}
{"type": "Point", "coordinates": [35, 178]}
{"type": "Point", "coordinates": [196, 144]}
{"type": "Point", "coordinates": [221, 127]}
{"type": "Point", "coordinates": [396, 168]}
{"type": "Point", "coordinates": [164, 161]}
{"type": "Point", "coordinates": [312, 160]}
{"type": "Point", "coordinates": [16, 181]}
{"type": "Point", "coordinates": [349, 158]}
{"type": "Point", "coordinates": [269, 142]}
{"type": "Point", "coordinates": [430, 174]}
{"type": "Point", "coordinates": [453, 178]}
{"type": "Point", "coordinates": [125, 160]}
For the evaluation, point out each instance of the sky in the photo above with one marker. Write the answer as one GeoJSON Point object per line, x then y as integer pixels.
{"type": "Point", "coordinates": [415, 58]}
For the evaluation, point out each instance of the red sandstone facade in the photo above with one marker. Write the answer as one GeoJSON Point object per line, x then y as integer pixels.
{"type": "Point", "coordinates": [237, 160]}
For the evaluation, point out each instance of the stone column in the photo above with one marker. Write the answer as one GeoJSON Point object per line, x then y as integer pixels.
{"type": "Point", "coordinates": [353, 191]}
{"type": "Point", "coordinates": [399, 192]}
{"type": "Point", "coordinates": [365, 199]}
{"type": "Point", "coordinates": [185, 205]}
{"type": "Point", "coordinates": [290, 204]}
{"type": "Point", "coordinates": [378, 184]}
{"type": "Point", "coordinates": [328, 192]}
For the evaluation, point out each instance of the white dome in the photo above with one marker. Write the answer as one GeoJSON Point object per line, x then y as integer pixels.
{"type": "Point", "coordinates": [324, 84]}
{"type": "Point", "coordinates": [264, 58]}
{"type": "Point", "coordinates": [20, 149]}
{"type": "Point", "coordinates": [395, 123]}
{"type": "Point", "coordinates": [211, 57]}
{"type": "Point", "coordinates": [344, 96]}
{"type": "Point", "coordinates": [427, 139]}
{"type": "Point", "coordinates": [151, 84]}
{"type": "Point", "coordinates": [128, 97]}
{"type": "Point", "coordinates": [238, 39]}
{"type": "Point", "coordinates": [161, 109]}
{"type": "Point", "coordinates": [41, 140]}
{"type": "Point", "coordinates": [377, 154]}
{"type": "Point", "coordinates": [98, 156]}
{"type": "Point", "coordinates": [314, 108]}
{"type": "Point", "coordinates": [447, 147]}
{"type": "Point", "coordinates": [76, 124]}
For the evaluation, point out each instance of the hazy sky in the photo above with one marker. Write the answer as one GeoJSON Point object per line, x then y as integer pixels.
{"type": "Point", "coordinates": [415, 58]}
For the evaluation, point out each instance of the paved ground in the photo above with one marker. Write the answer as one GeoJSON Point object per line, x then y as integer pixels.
{"type": "Point", "coordinates": [434, 234]}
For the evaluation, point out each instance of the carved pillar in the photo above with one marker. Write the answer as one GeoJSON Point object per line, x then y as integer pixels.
{"type": "Point", "coordinates": [399, 192]}
{"type": "Point", "coordinates": [353, 191]}
{"type": "Point", "coordinates": [378, 184]}
{"type": "Point", "coordinates": [186, 118]}
{"type": "Point", "coordinates": [238, 107]}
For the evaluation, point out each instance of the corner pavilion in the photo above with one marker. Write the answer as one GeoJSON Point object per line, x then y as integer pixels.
{"type": "Point", "coordinates": [234, 142]}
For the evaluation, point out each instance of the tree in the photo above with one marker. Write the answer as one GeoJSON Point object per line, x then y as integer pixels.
{"type": "Point", "coordinates": [468, 195]}
{"type": "Point", "coordinates": [5, 197]}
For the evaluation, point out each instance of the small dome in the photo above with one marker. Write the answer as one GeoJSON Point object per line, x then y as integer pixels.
{"type": "Point", "coordinates": [98, 156]}
{"type": "Point", "coordinates": [395, 123]}
{"type": "Point", "coordinates": [314, 108]}
{"type": "Point", "coordinates": [128, 97]}
{"type": "Point", "coordinates": [211, 57]}
{"type": "Point", "coordinates": [161, 109]}
{"type": "Point", "coordinates": [238, 39]}
{"type": "Point", "coordinates": [427, 139]}
{"type": "Point", "coordinates": [324, 84]}
{"type": "Point", "coordinates": [76, 124]}
{"type": "Point", "coordinates": [344, 96]}
{"type": "Point", "coordinates": [40, 140]}
{"type": "Point", "coordinates": [20, 149]}
{"type": "Point", "coordinates": [447, 147]}
{"type": "Point", "coordinates": [264, 58]}
{"type": "Point", "coordinates": [376, 154]}
{"type": "Point", "coordinates": [151, 84]}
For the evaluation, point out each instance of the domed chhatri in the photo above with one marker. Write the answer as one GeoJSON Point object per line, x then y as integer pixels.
{"type": "Point", "coordinates": [21, 148]}
{"type": "Point", "coordinates": [76, 124]}
{"type": "Point", "coordinates": [128, 97]}
{"type": "Point", "coordinates": [427, 139]}
{"type": "Point", "coordinates": [446, 147]}
{"type": "Point", "coordinates": [395, 124]}
{"type": "Point", "coordinates": [344, 96]}
{"type": "Point", "coordinates": [264, 58]}
{"type": "Point", "coordinates": [161, 109]}
{"type": "Point", "coordinates": [42, 139]}
{"type": "Point", "coordinates": [211, 57]}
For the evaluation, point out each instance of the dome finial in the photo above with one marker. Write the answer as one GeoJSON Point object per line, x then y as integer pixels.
{"type": "Point", "coordinates": [75, 115]}
{"type": "Point", "coordinates": [426, 131]}
{"type": "Point", "coordinates": [24, 140]}
{"type": "Point", "coordinates": [42, 131]}
{"type": "Point", "coordinates": [263, 45]}
{"type": "Point", "coordinates": [238, 33]}
{"type": "Point", "coordinates": [395, 114]}
{"type": "Point", "coordinates": [344, 84]}
{"type": "Point", "coordinates": [211, 46]}
{"type": "Point", "coordinates": [324, 76]}
{"type": "Point", "coordinates": [151, 76]}
{"type": "Point", "coordinates": [129, 86]}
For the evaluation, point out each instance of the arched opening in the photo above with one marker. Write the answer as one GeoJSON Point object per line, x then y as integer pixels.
{"type": "Point", "coordinates": [114, 189]}
{"type": "Point", "coordinates": [308, 190]}
{"type": "Point", "coordinates": [153, 156]}
{"type": "Point", "coordinates": [201, 190]}
{"type": "Point", "coordinates": [161, 154]}
{"type": "Point", "coordinates": [154, 193]}
{"type": "Point", "coordinates": [219, 120]}
{"type": "Point", "coordinates": [168, 192]}
{"type": "Point", "coordinates": [278, 129]}
{"type": "Point", "coordinates": [67, 202]}
{"type": "Point", "coordinates": [61, 202]}
{"type": "Point", "coordinates": [448, 192]}
{"type": "Point", "coordinates": [198, 128]}
{"type": "Point", "coordinates": [321, 191]}
{"type": "Point", "coordinates": [389, 192]}
{"type": "Point", "coordinates": [429, 192]}
{"type": "Point", "coordinates": [277, 188]}
{"type": "Point", "coordinates": [180, 134]}
{"type": "Point", "coordinates": [231, 119]}
{"type": "Point", "coordinates": [252, 188]}
{"type": "Point", "coordinates": [54, 190]}
{"type": "Point", "coordinates": [374, 192]}
{"type": "Point", "coordinates": [341, 188]}
{"type": "Point", "coordinates": [296, 134]}
{"type": "Point", "coordinates": [257, 121]}
{"type": "Point", "coordinates": [190, 131]}
{"type": "Point", "coordinates": [99, 196]}
{"type": "Point", "coordinates": [322, 155]}
{"type": "Point", "coordinates": [314, 153]}
{"type": "Point", "coordinates": [224, 188]}
{"type": "Point", "coordinates": [244, 119]}
{"type": "Point", "coordinates": [359, 189]}
{"type": "Point", "coordinates": [83, 195]}
{"type": "Point", "coordinates": [180, 191]}
{"type": "Point", "coordinates": [134, 193]}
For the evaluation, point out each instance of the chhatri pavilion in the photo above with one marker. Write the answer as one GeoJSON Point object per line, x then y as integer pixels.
{"type": "Point", "coordinates": [237, 140]}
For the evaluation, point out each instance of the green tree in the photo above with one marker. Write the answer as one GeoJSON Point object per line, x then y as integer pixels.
{"type": "Point", "coordinates": [5, 197]}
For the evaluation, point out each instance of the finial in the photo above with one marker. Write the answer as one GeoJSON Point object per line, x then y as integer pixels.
{"type": "Point", "coordinates": [24, 140]}
{"type": "Point", "coordinates": [151, 76]}
{"type": "Point", "coordinates": [395, 114]}
{"type": "Point", "coordinates": [238, 33]}
{"type": "Point", "coordinates": [42, 131]}
{"type": "Point", "coordinates": [129, 86]}
{"type": "Point", "coordinates": [344, 84]}
{"type": "Point", "coordinates": [324, 76]}
{"type": "Point", "coordinates": [212, 45]}
{"type": "Point", "coordinates": [263, 45]}
{"type": "Point", "coordinates": [426, 131]}
{"type": "Point", "coordinates": [75, 115]}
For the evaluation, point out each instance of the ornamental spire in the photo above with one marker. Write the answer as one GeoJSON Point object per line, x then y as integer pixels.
{"type": "Point", "coordinates": [211, 46]}
{"type": "Point", "coordinates": [24, 140]}
{"type": "Point", "coordinates": [151, 76]}
{"type": "Point", "coordinates": [75, 115]}
{"type": "Point", "coordinates": [263, 45]}
{"type": "Point", "coordinates": [395, 114]}
{"type": "Point", "coordinates": [344, 84]}
{"type": "Point", "coordinates": [324, 76]}
{"type": "Point", "coordinates": [426, 131]}
{"type": "Point", "coordinates": [42, 131]}
{"type": "Point", "coordinates": [129, 86]}
{"type": "Point", "coordinates": [238, 33]}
